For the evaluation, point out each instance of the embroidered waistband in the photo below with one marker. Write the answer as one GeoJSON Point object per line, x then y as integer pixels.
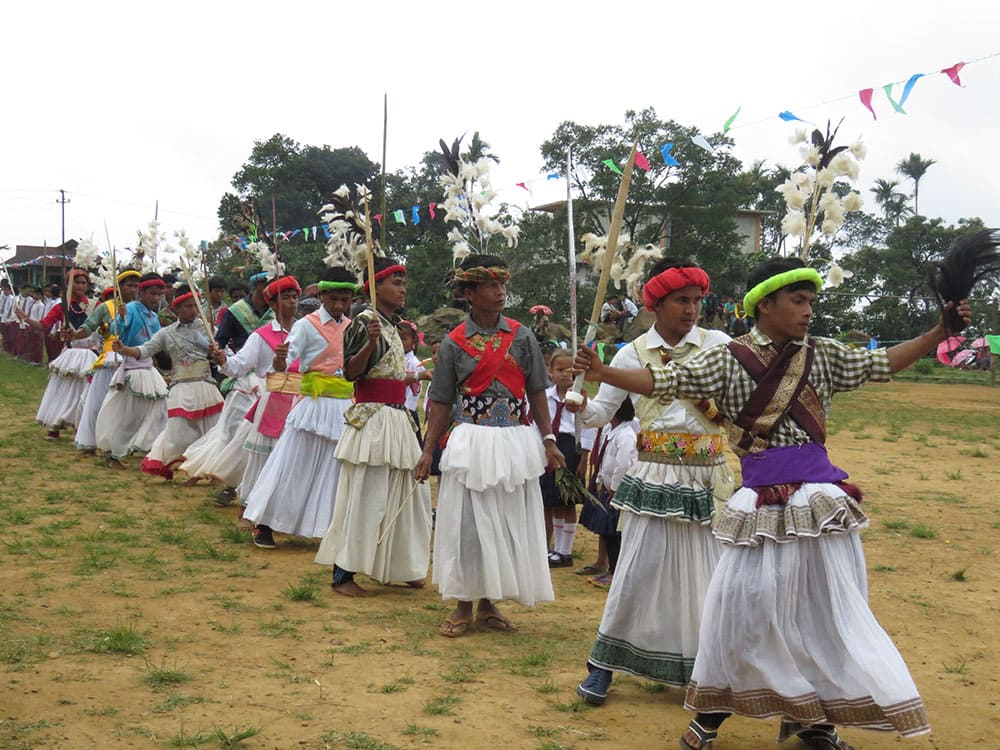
{"type": "Point", "coordinates": [491, 412]}
{"type": "Point", "coordinates": [705, 449]}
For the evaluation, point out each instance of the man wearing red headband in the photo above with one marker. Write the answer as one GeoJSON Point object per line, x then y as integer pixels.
{"type": "Point", "coordinates": [103, 321]}
{"type": "Point", "coordinates": [381, 521]}
{"type": "Point", "coordinates": [193, 403]}
{"type": "Point", "coordinates": [295, 492]}
{"type": "Point", "coordinates": [666, 500]}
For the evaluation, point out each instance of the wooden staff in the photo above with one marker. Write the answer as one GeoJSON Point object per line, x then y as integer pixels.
{"type": "Point", "coordinates": [575, 396]}
{"type": "Point", "coordinates": [197, 297]}
{"type": "Point", "coordinates": [371, 252]}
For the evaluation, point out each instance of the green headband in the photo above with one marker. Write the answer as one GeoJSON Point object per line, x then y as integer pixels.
{"type": "Point", "coordinates": [331, 286]}
{"type": "Point", "coordinates": [776, 282]}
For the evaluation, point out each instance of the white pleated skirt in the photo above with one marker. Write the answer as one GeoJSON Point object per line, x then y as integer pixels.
{"type": "Point", "coordinates": [85, 438]}
{"type": "Point", "coordinates": [296, 489]}
{"type": "Point", "coordinates": [62, 400]}
{"type": "Point", "coordinates": [490, 533]}
{"type": "Point", "coordinates": [255, 450]}
{"type": "Point", "coordinates": [787, 629]}
{"type": "Point", "coordinates": [132, 417]}
{"type": "Point", "coordinates": [207, 457]}
{"type": "Point", "coordinates": [193, 409]}
{"type": "Point", "coordinates": [378, 499]}
{"type": "Point", "coordinates": [653, 612]}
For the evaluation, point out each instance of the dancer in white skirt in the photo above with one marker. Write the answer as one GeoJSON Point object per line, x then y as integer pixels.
{"type": "Point", "coordinates": [194, 401]}
{"type": "Point", "coordinates": [60, 405]}
{"type": "Point", "coordinates": [786, 629]}
{"type": "Point", "coordinates": [381, 521]}
{"type": "Point", "coordinates": [295, 492]}
{"type": "Point", "coordinates": [490, 544]}
{"type": "Point", "coordinates": [134, 412]}
{"type": "Point", "coordinates": [666, 500]}
{"type": "Point", "coordinates": [239, 462]}
{"type": "Point", "coordinates": [104, 321]}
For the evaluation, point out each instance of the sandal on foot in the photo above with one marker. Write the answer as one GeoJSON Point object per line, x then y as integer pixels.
{"type": "Point", "coordinates": [591, 570]}
{"type": "Point", "coordinates": [822, 738]}
{"type": "Point", "coordinates": [790, 729]}
{"type": "Point", "coordinates": [496, 621]}
{"type": "Point", "coordinates": [705, 737]}
{"type": "Point", "coordinates": [453, 628]}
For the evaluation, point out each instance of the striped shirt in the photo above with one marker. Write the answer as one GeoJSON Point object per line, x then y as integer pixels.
{"type": "Point", "coordinates": [715, 373]}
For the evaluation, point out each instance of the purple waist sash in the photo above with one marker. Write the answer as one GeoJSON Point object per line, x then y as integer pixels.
{"type": "Point", "coordinates": [789, 464]}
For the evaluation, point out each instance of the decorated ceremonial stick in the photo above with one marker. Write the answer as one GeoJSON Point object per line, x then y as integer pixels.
{"type": "Point", "coordinates": [371, 251]}
{"type": "Point", "coordinates": [574, 396]}
{"type": "Point", "coordinates": [399, 510]}
{"type": "Point", "coordinates": [197, 296]}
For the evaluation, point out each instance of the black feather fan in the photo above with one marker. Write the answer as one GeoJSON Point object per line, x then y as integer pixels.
{"type": "Point", "coordinates": [972, 257]}
{"type": "Point", "coordinates": [451, 155]}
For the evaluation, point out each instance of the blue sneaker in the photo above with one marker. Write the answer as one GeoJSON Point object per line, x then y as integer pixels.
{"type": "Point", "coordinates": [594, 689]}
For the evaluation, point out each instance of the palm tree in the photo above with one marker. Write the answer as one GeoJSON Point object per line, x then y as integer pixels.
{"type": "Point", "coordinates": [913, 167]}
{"type": "Point", "coordinates": [891, 200]}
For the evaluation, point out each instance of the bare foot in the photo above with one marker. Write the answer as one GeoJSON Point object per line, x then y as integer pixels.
{"type": "Point", "coordinates": [348, 588]}
{"type": "Point", "coordinates": [190, 482]}
{"type": "Point", "coordinates": [114, 463]}
{"type": "Point", "coordinates": [416, 584]}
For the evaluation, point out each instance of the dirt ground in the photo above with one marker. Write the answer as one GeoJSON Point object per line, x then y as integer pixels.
{"type": "Point", "coordinates": [134, 615]}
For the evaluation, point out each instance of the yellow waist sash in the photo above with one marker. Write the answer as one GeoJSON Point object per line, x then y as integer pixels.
{"type": "Point", "coordinates": [320, 385]}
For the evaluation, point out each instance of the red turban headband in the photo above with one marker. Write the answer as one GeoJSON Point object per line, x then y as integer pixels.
{"type": "Point", "coordinates": [671, 280]}
{"type": "Point", "coordinates": [385, 273]}
{"type": "Point", "coordinates": [278, 286]}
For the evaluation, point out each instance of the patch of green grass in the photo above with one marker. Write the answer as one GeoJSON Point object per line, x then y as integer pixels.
{"type": "Point", "coordinates": [204, 550]}
{"type": "Point", "coordinates": [958, 575]}
{"type": "Point", "coordinates": [162, 677]}
{"type": "Point", "coordinates": [896, 525]}
{"type": "Point", "coordinates": [232, 535]}
{"type": "Point", "coordinates": [959, 668]}
{"type": "Point", "coordinates": [954, 475]}
{"type": "Point", "coordinates": [884, 569]}
{"type": "Point", "coordinates": [302, 592]}
{"type": "Point", "coordinates": [398, 685]}
{"type": "Point", "coordinates": [652, 687]}
{"type": "Point", "coordinates": [571, 707]}
{"type": "Point", "coordinates": [281, 628]}
{"type": "Point", "coordinates": [121, 639]}
{"type": "Point", "coordinates": [532, 665]}
{"type": "Point", "coordinates": [414, 730]}
{"type": "Point", "coordinates": [547, 687]}
{"type": "Point", "coordinates": [442, 704]}
{"type": "Point", "coordinates": [922, 531]}
{"type": "Point", "coordinates": [17, 653]}
{"type": "Point", "coordinates": [228, 740]}
{"type": "Point", "coordinates": [979, 453]}
{"type": "Point", "coordinates": [176, 700]}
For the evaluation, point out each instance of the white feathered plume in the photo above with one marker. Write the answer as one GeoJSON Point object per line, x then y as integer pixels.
{"type": "Point", "coordinates": [344, 216]}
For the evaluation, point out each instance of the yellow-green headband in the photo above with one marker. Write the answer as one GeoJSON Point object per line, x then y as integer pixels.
{"type": "Point", "coordinates": [776, 282]}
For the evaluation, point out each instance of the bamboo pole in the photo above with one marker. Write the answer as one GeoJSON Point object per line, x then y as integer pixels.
{"type": "Point", "coordinates": [371, 253]}
{"type": "Point", "coordinates": [575, 396]}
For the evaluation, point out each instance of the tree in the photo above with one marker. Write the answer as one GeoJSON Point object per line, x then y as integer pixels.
{"type": "Point", "coordinates": [299, 180]}
{"type": "Point", "coordinates": [690, 207]}
{"type": "Point", "coordinates": [890, 200]}
{"type": "Point", "coordinates": [913, 168]}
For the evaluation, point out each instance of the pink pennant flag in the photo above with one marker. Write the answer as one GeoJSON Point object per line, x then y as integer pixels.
{"type": "Point", "coordinates": [432, 206]}
{"type": "Point", "coordinates": [953, 72]}
{"type": "Point", "coordinates": [866, 98]}
{"type": "Point", "coordinates": [522, 185]}
{"type": "Point", "coordinates": [378, 218]}
{"type": "Point", "coordinates": [641, 161]}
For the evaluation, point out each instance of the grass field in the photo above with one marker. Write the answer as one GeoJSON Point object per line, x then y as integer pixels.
{"type": "Point", "coordinates": [134, 613]}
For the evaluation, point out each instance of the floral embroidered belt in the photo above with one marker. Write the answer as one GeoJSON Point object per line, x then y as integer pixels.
{"type": "Point", "coordinates": [706, 449]}
{"type": "Point", "coordinates": [489, 411]}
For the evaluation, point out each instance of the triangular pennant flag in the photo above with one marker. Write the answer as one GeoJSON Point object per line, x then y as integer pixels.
{"type": "Point", "coordinates": [326, 230]}
{"type": "Point", "coordinates": [668, 158]}
{"type": "Point", "coordinates": [305, 233]}
{"type": "Point", "coordinates": [552, 176]}
{"type": "Point", "coordinates": [641, 161]}
{"type": "Point", "coordinates": [888, 95]}
{"type": "Point", "coordinates": [415, 214]}
{"type": "Point", "coordinates": [909, 87]}
{"type": "Point", "coordinates": [789, 117]}
{"type": "Point", "coordinates": [432, 206]}
{"type": "Point", "coordinates": [315, 235]}
{"type": "Point", "coordinates": [522, 185]}
{"type": "Point", "coordinates": [865, 95]}
{"type": "Point", "coordinates": [729, 123]}
{"type": "Point", "coordinates": [953, 72]}
{"type": "Point", "coordinates": [398, 216]}
{"type": "Point", "coordinates": [294, 233]}
{"type": "Point", "coordinates": [702, 141]}
{"type": "Point", "coordinates": [377, 217]}
{"type": "Point", "coordinates": [610, 164]}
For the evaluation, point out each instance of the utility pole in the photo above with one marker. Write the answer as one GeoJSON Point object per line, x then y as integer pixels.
{"type": "Point", "coordinates": [63, 200]}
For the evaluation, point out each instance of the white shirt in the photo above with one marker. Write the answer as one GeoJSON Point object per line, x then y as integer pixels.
{"type": "Point", "coordinates": [620, 454]}
{"type": "Point", "coordinates": [305, 343]}
{"type": "Point", "coordinates": [413, 365]}
{"type": "Point", "coordinates": [567, 421]}
{"type": "Point", "coordinates": [256, 356]}
{"type": "Point", "coordinates": [675, 417]}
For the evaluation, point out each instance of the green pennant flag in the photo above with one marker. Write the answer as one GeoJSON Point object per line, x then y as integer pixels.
{"type": "Point", "coordinates": [888, 95]}
{"type": "Point", "coordinates": [729, 123]}
{"type": "Point", "coordinates": [398, 216]}
{"type": "Point", "coordinates": [994, 342]}
{"type": "Point", "coordinates": [610, 164]}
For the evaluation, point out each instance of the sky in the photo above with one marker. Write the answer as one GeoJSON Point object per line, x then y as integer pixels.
{"type": "Point", "coordinates": [126, 104]}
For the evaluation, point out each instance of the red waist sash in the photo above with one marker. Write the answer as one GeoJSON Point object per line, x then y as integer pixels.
{"type": "Point", "coordinates": [380, 391]}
